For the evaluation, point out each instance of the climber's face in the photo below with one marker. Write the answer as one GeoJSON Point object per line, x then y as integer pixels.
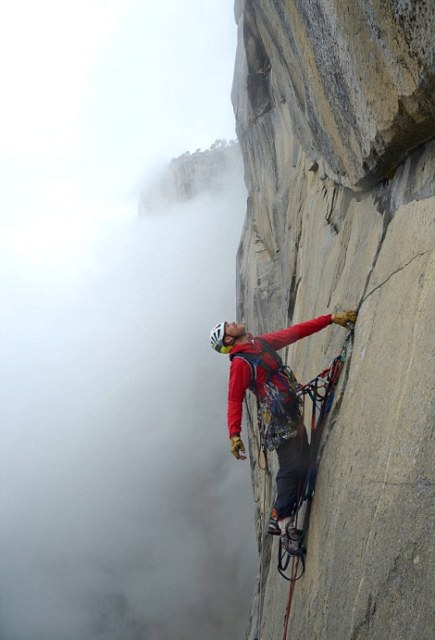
{"type": "Point", "coordinates": [235, 330]}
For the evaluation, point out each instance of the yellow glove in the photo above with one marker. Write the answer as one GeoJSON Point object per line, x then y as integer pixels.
{"type": "Point", "coordinates": [237, 447]}
{"type": "Point", "coordinates": [344, 318]}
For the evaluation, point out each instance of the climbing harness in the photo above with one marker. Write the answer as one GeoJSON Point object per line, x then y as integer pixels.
{"type": "Point", "coordinates": [278, 411]}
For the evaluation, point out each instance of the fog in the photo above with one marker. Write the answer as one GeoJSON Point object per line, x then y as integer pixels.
{"type": "Point", "coordinates": [123, 514]}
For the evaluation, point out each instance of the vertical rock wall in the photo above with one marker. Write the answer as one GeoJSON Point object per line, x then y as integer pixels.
{"type": "Point", "coordinates": [334, 103]}
{"type": "Point", "coordinates": [214, 171]}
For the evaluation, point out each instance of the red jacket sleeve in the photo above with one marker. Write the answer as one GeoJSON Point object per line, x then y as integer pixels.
{"type": "Point", "coordinates": [284, 337]}
{"type": "Point", "coordinates": [240, 379]}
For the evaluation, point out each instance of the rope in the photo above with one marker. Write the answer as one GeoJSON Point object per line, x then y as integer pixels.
{"type": "Point", "coordinates": [261, 447]}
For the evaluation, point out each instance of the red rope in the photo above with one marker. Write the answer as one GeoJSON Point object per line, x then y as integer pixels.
{"type": "Point", "coordinates": [290, 597]}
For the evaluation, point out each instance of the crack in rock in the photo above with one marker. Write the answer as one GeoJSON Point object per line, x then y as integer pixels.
{"type": "Point", "coordinates": [393, 273]}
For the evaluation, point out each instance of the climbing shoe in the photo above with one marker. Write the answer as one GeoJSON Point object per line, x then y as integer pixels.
{"type": "Point", "coordinates": [273, 527]}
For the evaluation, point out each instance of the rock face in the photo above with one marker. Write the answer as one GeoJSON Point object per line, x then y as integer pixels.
{"type": "Point", "coordinates": [334, 104]}
{"type": "Point", "coordinates": [359, 81]}
{"type": "Point", "coordinates": [193, 173]}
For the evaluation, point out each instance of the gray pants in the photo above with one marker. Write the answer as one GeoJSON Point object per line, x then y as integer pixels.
{"type": "Point", "coordinates": [293, 458]}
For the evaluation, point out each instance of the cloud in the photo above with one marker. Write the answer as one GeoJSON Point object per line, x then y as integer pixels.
{"type": "Point", "coordinates": [123, 514]}
{"type": "Point", "coordinates": [50, 49]}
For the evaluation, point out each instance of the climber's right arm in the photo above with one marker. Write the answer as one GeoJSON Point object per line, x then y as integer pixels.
{"type": "Point", "coordinates": [239, 381]}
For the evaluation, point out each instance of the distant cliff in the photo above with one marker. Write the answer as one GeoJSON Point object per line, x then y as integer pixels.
{"type": "Point", "coordinates": [194, 173]}
{"type": "Point", "coordinates": [335, 111]}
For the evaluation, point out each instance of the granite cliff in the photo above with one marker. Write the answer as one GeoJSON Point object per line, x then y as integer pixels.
{"type": "Point", "coordinates": [214, 171]}
{"type": "Point", "coordinates": [335, 113]}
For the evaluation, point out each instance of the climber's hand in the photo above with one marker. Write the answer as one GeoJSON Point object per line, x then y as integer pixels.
{"type": "Point", "coordinates": [237, 447]}
{"type": "Point", "coordinates": [345, 318]}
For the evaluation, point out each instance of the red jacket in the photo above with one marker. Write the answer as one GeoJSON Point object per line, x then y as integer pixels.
{"type": "Point", "coordinates": [240, 371]}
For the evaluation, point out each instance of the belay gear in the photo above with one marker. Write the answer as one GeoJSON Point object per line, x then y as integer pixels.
{"type": "Point", "coordinates": [279, 410]}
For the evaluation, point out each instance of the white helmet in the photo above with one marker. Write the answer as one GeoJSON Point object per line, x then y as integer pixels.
{"type": "Point", "coordinates": [217, 335]}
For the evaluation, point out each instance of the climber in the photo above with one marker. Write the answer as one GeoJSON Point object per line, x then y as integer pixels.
{"type": "Point", "coordinates": [255, 365]}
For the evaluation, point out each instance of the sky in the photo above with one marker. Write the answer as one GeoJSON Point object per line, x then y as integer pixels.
{"type": "Point", "coordinates": [99, 94]}
{"type": "Point", "coordinates": [122, 512]}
